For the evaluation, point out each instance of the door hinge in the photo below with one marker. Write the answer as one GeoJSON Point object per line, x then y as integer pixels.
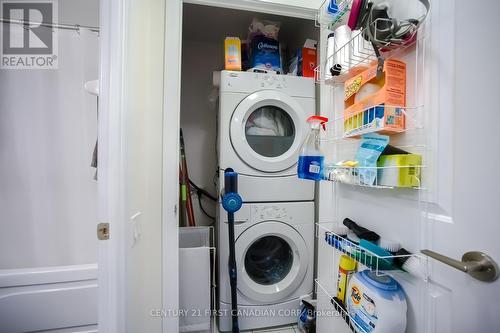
{"type": "Point", "coordinates": [103, 231]}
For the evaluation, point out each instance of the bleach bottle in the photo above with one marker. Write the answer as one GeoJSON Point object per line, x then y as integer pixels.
{"type": "Point", "coordinates": [311, 159]}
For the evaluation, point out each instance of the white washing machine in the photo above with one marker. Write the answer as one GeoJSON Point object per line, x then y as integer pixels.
{"type": "Point", "coordinates": [274, 257]}
{"type": "Point", "coordinates": [262, 125]}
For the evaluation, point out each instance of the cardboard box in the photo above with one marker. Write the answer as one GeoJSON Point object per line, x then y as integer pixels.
{"type": "Point", "coordinates": [309, 62]}
{"type": "Point", "coordinates": [232, 54]}
{"type": "Point", "coordinates": [381, 110]}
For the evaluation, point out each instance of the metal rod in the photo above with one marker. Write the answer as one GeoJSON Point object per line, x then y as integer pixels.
{"type": "Point", "coordinates": [75, 27]}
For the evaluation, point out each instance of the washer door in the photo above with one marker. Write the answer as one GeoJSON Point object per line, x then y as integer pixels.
{"type": "Point", "coordinates": [272, 261]}
{"type": "Point", "coordinates": [267, 130]}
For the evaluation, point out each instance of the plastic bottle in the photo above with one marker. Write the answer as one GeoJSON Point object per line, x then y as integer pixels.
{"type": "Point", "coordinates": [311, 159]}
{"type": "Point", "coordinates": [330, 47]}
{"type": "Point", "coordinates": [307, 318]}
{"type": "Point", "coordinates": [376, 303]}
{"type": "Point", "coordinates": [347, 266]}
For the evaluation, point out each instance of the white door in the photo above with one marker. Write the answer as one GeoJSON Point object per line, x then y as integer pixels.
{"type": "Point", "coordinates": [460, 206]}
{"type": "Point", "coordinates": [273, 261]}
{"type": "Point", "coordinates": [134, 195]}
{"type": "Point", "coordinates": [267, 129]}
{"type": "Point", "coordinates": [465, 215]}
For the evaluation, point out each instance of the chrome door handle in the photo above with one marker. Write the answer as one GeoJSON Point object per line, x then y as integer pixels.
{"type": "Point", "coordinates": [477, 264]}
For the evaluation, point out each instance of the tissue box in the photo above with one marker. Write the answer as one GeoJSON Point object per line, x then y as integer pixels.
{"type": "Point", "coordinates": [404, 170]}
{"type": "Point", "coordinates": [376, 104]}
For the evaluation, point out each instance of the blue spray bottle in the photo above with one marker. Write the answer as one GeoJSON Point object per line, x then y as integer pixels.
{"type": "Point", "coordinates": [311, 159]}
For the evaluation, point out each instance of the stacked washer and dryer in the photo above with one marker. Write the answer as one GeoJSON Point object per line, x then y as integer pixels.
{"type": "Point", "coordinates": [261, 127]}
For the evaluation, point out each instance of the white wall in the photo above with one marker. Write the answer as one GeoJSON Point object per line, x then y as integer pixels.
{"type": "Point", "coordinates": [204, 30]}
{"type": "Point", "coordinates": [82, 12]}
{"type": "Point", "coordinates": [198, 118]}
{"type": "Point", "coordinates": [48, 128]}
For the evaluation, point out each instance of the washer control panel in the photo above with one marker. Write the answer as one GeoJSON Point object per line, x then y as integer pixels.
{"type": "Point", "coordinates": [261, 80]}
{"type": "Point", "coordinates": [248, 82]}
{"type": "Point", "coordinates": [270, 212]}
{"type": "Point", "coordinates": [272, 80]}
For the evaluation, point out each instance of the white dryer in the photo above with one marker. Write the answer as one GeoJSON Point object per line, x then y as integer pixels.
{"type": "Point", "coordinates": [262, 125]}
{"type": "Point", "coordinates": [274, 257]}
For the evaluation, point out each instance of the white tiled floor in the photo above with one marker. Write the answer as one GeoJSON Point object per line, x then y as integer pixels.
{"type": "Point", "coordinates": [281, 329]}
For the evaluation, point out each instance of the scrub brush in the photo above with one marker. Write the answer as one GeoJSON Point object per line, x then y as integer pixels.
{"type": "Point", "coordinates": [353, 237]}
{"type": "Point", "coordinates": [410, 264]}
{"type": "Point", "coordinates": [389, 245]}
{"type": "Point", "coordinates": [360, 231]}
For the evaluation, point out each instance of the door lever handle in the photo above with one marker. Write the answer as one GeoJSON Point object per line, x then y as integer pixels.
{"type": "Point", "coordinates": [477, 264]}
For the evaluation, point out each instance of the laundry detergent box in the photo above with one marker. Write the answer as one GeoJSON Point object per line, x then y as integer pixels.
{"type": "Point", "coordinates": [232, 54]}
{"type": "Point", "coordinates": [265, 53]}
{"type": "Point", "coordinates": [376, 104]}
{"type": "Point", "coordinates": [308, 57]}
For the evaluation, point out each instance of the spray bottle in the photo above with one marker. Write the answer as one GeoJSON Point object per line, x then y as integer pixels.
{"type": "Point", "coordinates": [311, 159]}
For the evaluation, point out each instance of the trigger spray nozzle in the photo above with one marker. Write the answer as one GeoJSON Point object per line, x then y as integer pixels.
{"type": "Point", "coordinates": [317, 122]}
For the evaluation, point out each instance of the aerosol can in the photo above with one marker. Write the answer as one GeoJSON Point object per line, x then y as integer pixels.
{"type": "Point", "coordinates": [307, 318]}
{"type": "Point", "coordinates": [311, 159]}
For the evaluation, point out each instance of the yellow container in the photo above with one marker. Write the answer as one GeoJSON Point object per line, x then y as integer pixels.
{"type": "Point", "coordinates": [232, 53]}
{"type": "Point", "coordinates": [347, 266]}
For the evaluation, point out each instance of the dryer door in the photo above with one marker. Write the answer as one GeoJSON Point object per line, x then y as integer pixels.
{"type": "Point", "coordinates": [267, 130]}
{"type": "Point", "coordinates": [272, 261]}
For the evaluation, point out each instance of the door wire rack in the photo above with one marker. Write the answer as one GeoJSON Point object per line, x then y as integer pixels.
{"type": "Point", "coordinates": [341, 312]}
{"type": "Point", "coordinates": [380, 265]}
{"type": "Point", "coordinates": [379, 200]}
{"type": "Point", "coordinates": [385, 177]}
{"type": "Point", "coordinates": [359, 51]}
{"type": "Point", "coordinates": [401, 172]}
{"type": "Point", "coordinates": [345, 129]}
{"type": "Point", "coordinates": [367, 121]}
{"type": "Point", "coordinates": [356, 55]}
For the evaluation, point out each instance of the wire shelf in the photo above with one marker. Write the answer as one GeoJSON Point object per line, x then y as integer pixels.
{"type": "Point", "coordinates": [385, 177]}
{"type": "Point", "coordinates": [341, 311]}
{"type": "Point", "coordinates": [371, 120]}
{"type": "Point", "coordinates": [329, 21]}
{"type": "Point", "coordinates": [380, 265]}
{"type": "Point", "coordinates": [357, 55]}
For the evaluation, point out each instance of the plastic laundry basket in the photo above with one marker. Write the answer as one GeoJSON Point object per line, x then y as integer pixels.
{"type": "Point", "coordinates": [194, 279]}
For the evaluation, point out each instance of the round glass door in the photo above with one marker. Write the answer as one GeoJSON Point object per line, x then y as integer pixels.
{"type": "Point", "coordinates": [267, 129]}
{"type": "Point", "coordinates": [273, 257]}
{"type": "Point", "coordinates": [270, 131]}
{"type": "Point", "coordinates": [268, 260]}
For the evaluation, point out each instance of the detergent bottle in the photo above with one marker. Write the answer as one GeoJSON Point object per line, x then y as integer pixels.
{"type": "Point", "coordinates": [376, 303]}
{"type": "Point", "coordinates": [311, 159]}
